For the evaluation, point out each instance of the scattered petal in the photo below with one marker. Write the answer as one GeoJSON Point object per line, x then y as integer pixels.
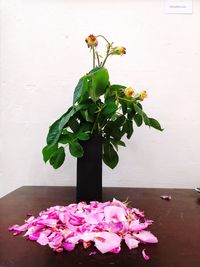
{"type": "Point", "coordinates": [131, 242]}
{"type": "Point", "coordinates": [166, 197]}
{"type": "Point", "coordinates": [146, 237]}
{"type": "Point", "coordinates": [145, 256]}
{"type": "Point", "coordinates": [92, 253]}
{"type": "Point", "coordinates": [106, 242]}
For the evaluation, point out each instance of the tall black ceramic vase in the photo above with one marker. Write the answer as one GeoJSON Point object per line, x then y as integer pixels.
{"type": "Point", "coordinates": [89, 171]}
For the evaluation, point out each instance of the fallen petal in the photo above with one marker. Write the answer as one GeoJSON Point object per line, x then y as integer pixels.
{"type": "Point", "coordinates": [166, 197]}
{"type": "Point", "coordinates": [131, 242]}
{"type": "Point", "coordinates": [146, 237]}
{"type": "Point", "coordinates": [106, 242]}
{"type": "Point", "coordinates": [145, 256]}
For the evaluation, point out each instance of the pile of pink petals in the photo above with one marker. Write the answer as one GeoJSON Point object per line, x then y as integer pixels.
{"type": "Point", "coordinates": [103, 224]}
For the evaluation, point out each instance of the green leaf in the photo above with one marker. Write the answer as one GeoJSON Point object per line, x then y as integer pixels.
{"type": "Point", "coordinates": [146, 120]}
{"type": "Point", "coordinates": [124, 107]}
{"type": "Point", "coordinates": [110, 156]}
{"type": "Point", "coordinates": [120, 120]}
{"type": "Point", "coordinates": [99, 80]}
{"type": "Point", "coordinates": [109, 108]}
{"type": "Point", "coordinates": [73, 123]}
{"type": "Point", "coordinates": [128, 128]}
{"type": "Point", "coordinates": [47, 151]}
{"type": "Point", "coordinates": [138, 119]}
{"type": "Point", "coordinates": [81, 90]}
{"type": "Point", "coordinates": [117, 87]}
{"type": "Point", "coordinates": [56, 128]}
{"type": "Point", "coordinates": [138, 109]}
{"type": "Point", "coordinates": [76, 149]}
{"type": "Point", "coordinates": [155, 124]}
{"type": "Point", "coordinates": [64, 139]}
{"type": "Point", "coordinates": [57, 158]}
{"type": "Point", "coordinates": [121, 143]}
{"type": "Point", "coordinates": [83, 136]}
{"type": "Point", "coordinates": [87, 116]}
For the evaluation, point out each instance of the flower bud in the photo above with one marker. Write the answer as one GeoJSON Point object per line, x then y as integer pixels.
{"type": "Point", "coordinates": [143, 95]}
{"type": "Point", "coordinates": [91, 41]}
{"type": "Point", "coordinates": [129, 91]}
{"type": "Point", "coordinates": [120, 50]}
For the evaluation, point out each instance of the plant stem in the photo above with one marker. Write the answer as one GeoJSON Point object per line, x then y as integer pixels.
{"type": "Point", "coordinates": [103, 38]}
{"type": "Point", "coordinates": [97, 55]}
{"type": "Point", "coordinates": [93, 57]}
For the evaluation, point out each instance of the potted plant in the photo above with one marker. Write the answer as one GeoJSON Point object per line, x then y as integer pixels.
{"type": "Point", "coordinates": [94, 126]}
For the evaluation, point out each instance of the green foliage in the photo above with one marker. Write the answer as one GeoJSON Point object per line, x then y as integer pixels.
{"type": "Point", "coordinates": [57, 158]}
{"type": "Point", "coordinates": [98, 108]}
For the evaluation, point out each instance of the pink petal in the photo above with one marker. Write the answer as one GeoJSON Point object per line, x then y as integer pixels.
{"type": "Point", "coordinates": [92, 253]}
{"type": "Point", "coordinates": [43, 239]}
{"type": "Point", "coordinates": [137, 226]}
{"type": "Point", "coordinates": [106, 242]}
{"type": "Point", "coordinates": [131, 242]}
{"type": "Point", "coordinates": [138, 212]}
{"type": "Point", "coordinates": [68, 246]}
{"type": "Point", "coordinates": [94, 218]}
{"type": "Point", "coordinates": [145, 256]}
{"type": "Point", "coordinates": [166, 197]}
{"type": "Point", "coordinates": [48, 222]}
{"type": "Point", "coordinates": [146, 237]}
{"type": "Point", "coordinates": [113, 213]}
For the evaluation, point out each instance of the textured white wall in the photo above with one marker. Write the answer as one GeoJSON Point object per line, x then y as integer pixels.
{"type": "Point", "coordinates": [43, 54]}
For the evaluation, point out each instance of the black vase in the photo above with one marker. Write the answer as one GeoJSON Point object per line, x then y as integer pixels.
{"type": "Point", "coordinates": [89, 171]}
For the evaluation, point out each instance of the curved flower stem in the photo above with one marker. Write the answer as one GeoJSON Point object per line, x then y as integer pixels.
{"type": "Point", "coordinates": [103, 38]}
{"type": "Point", "coordinates": [93, 57]}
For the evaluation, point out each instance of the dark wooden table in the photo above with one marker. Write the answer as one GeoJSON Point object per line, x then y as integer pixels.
{"type": "Point", "coordinates": [177, 226]}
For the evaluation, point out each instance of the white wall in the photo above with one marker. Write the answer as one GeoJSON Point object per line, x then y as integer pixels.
{"type": "Point", "coordinates": [43, 54]}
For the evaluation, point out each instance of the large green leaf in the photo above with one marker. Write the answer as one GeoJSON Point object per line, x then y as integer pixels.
{"type": "Point", "coordinates": [138, 119]}
{"type": "Point", "coordinates": [56, 128]}
{"type": "Point", "coordinates": [81, 90]}
{"type": "Point", "coordinates": [110, 156]}
{"type": "Point", "coordinates": [109, 108]}
{"type": "Point", "coordinates": [76, 149]}
{"type": "Point", "coordinates": [155, 124]}
{"type": "Point", "coordinates": [47, 151]}
{"type": "Point", "coordinates": [57, 158]}
{"type": "Point", "coordinates": [83, 136]}
{"type": "Point", "coordinates": [99, 80]}
{"type": "Point", "coordinates": [128, 128]}
{"type": "Point", "coordinates": [117, 87]}
{"type": "Point", "coordinates": [138, 109]}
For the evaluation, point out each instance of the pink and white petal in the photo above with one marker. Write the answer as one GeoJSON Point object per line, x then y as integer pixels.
{"type": "Point", "coordinates": [137, 226]}
{"type": "Point", "coordinates": [145, 256]}
{"type": "Point", "coordinates": [106, 242]}
{"type": "Point", "coordinates": [87, 236]}
{"type": "Point", "coordinates": [114, 213]}
{"type": "Point", "coordinates": [68, 246]}
{"type": "Point", "coordinates": [131, 242]}
{"type": "Point", "coordinates": [146, 237]}
{"type": "Point", "coordinates": [43, 239]}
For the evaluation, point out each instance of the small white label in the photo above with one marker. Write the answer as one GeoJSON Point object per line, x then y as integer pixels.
{"type": "Point", "coordinates": [178, 6]}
